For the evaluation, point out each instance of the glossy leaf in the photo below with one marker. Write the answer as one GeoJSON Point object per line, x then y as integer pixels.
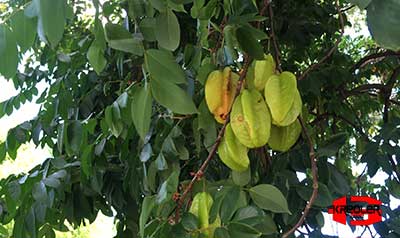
{"type": "Point", "coordinates": [269, 198]}
{"type": "Point", "coordinates": [167, 30]}
{"type": "Point", "coordinates": [163, 67]}
{"type": "Point", "coordinates": [141, 110]}
{"type": "Point", "coordinates": [8, 52]}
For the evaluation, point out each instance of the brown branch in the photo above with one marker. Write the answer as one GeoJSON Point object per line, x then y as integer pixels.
{"type": "Point", "coordinates": [199, 174]}
{"type": "Point", "coordinates": [331, 51]}
{"type": "Point", "coordinates": [272, 36]}
{"type": "Point", "coordinates": [376, 57]}
{"type": "Point", "coordinates": [388, 92]}
{"type": "Point", "coordinates": [263, 10]}
{"type": "Point", "coordinates": [314, 171]}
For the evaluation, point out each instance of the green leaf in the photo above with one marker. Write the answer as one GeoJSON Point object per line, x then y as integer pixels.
{"type": "Point", "coordinates": [229, 204]}
{"type": "Point", "coordinates": [120, 39]}
{"type": "Point", "coordinates": [96, 50]}
{"type": "Point", "coordinates": [167, 188]}
{"type": "Point", "coordinates": [324, 198]}
{"type": "Point", "coordinates": [256, 218]}
{"type": "Point", "coordinates": [163, 67]}
{"type": "Point", "coordinates": [74, 137]}
{"type": "Point", "coordinates": [241, 178]}
{"type": "Point", "coordinates": [8, 53]}
{"type": "Point", "coordinates": [172, 97]}
{"type": "Point", "coordinates": [167, 30]}
{"type": "Point", "coordinates": [3, 151]}
{"type": "Point", "coordinates": [383, 22]}
{"type": "Point", "coordinates": [160, 5]}
{"type": "Point", "coordinates": [332, 144]}
{"type": "Point", "coordinates": [141, 110]}
{"type": "Point", "coordinates": [249, 44]}
{"type": "Point", "coordinates": [269, 198]}
{"type": "Point", "coordinates": [51, 25]}
{"type": "Point", "coordinates": [190, 222]}
{"type": "Point", "coordinates": [113, 119]}
{"type": "Point", "coordinates": [147, 27]}
{"type": "Point", "coordinates": [147, 206]}
{"type": "Point", "coordinates": [241, 230]}
{"type": "Point", "coordinates": [24, 30]}
{"type": "Point", "coordinates": [96, 57]}
{"type": "Point", "coordinates": [86, 161]}
{"type": "Point", "coordinates": [39, 192]}
{"type": "Point", "coordinates": [221, 232]}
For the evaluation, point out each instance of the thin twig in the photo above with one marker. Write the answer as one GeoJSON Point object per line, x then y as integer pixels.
{"type": "Point", "coordinates": [314, 171]}
{"type": "Point", "coordinates": [273, 37]}
{"type": "Point", "coordinates": [263, 11]}
{"type": "Point", "coordinates": [331, 51]}
{"type": "Point", "coordinates": [387, 92]}
{"type": "Point", "coordinates": [376, 57]}
{"type": "Point", "coordinates": [220, 38]}
{"type": "Point", "coordinates": [199, 174]}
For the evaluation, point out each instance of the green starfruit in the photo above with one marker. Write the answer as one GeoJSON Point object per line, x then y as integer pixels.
{"type": "Point", "coordinates": [251, 119]}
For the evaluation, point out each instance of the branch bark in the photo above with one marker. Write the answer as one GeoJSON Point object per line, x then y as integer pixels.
{"type": "Point", "coordinates": [376, 57]}
{"type": "Point", "coordinates": [272, 36]}
{"type": "Point", "coordinates": [314, 170]}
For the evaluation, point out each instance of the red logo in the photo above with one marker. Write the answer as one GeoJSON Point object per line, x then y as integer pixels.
{"type": "Point", "coordinates": [340, 209]}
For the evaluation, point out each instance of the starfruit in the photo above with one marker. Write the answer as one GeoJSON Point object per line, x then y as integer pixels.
{"type": "Point", "coordinates": [220, 92]}
{"type": "Point", "coordinates": [293, 113]}
{"type": "Point", "coordinates": [250, 119]}
{"type": "Point", "coordinates": [263, 70]}
{"type": "Point", "coordinates": [259, 72]}
{"type": "Point", "coordinates": [280, 93]}
{"type": "Point", "coordinates": [201, 206]}
{"type": "Point", "coordinates": [232, 153]}
{"type": "Point", "coordinates": [283, 138]}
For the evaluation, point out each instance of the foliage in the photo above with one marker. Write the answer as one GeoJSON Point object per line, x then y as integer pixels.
{"type": "Point", "coordinates": [125, 116]}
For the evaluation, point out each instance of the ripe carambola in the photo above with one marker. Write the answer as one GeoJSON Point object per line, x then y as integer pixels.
{"type": "Point", "coordinates": [232, 153]}
{"type": "Point", "coordinates": [201, 206]}
{"type": "Point", "coordinates": [220, 92]}
{"type": "Point", "coordinates": [293, 113]}
{"type": "Point", "coordinates": [280, 92]}
{"type": "Point", "coordinates": [263, 69]}
{"type": "Point", "coordinates": [283, 138]}
{"type": "Point", "coordinates": [251, 119]}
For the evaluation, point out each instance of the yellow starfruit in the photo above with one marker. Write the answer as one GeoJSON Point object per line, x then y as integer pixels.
{"type": "Point", "coordinates": [293, 113]}
{"type": "Point", "coordinates": [220, 92]}
{"type": "Point", "coordinates": [280, 91]}
{"type": "Point", "coordinates": [232, 153]}
{"type": "Point", "coordinates": [263, 70]}
{"type": "Point", "coordinates": [283, 138]}
{"type": "Point", "coordinates": [251, 119]}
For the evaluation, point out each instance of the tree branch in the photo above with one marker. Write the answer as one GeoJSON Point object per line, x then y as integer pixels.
{"type": "Point", "coordinates": [387, 92]}
{"type": "Point", "coordinates": [314, 170]}
{"type": "Point", "coordinates": [331, 51]}
{"type": "Point", "coordinates": [272, 36]}
{"type": "Point", "coordinates": [376, 57]}
{"type": "Point", "coordinates": [199, 174]}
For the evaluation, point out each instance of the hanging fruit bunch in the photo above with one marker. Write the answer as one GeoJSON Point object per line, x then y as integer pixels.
{"type": "Point", "coordinates": [265, 111]}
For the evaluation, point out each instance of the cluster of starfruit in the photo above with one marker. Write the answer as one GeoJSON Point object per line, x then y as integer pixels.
{"type": "Point", "coordinates": [266, 110]}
